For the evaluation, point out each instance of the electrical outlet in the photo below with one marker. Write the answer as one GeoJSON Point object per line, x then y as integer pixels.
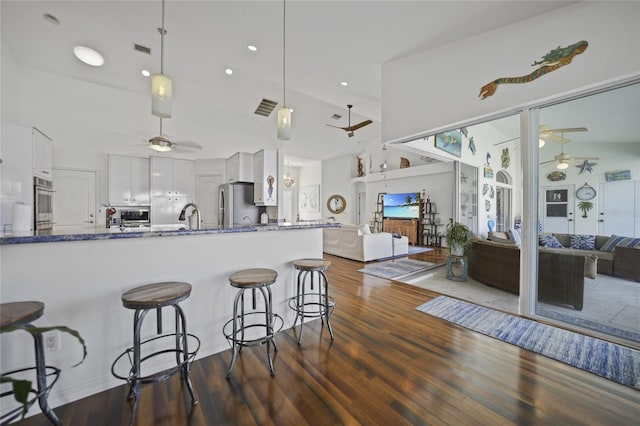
{"type": "Point", "coordinates": [51, 340]}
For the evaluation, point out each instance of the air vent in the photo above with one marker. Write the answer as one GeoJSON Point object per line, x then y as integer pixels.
{"type": "Point", "coordinates": [336, 116]}
{"type": "Point", "coordinates": [141, 48]}
{"type": "Point", "coordinates": [266, 107]}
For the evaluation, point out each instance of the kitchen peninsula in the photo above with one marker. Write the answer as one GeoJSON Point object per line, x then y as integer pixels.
{"type": "Point", "coordinates": [81, 278]}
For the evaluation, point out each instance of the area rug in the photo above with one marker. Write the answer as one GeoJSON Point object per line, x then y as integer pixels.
{"type": "Point", "coordinates": [397, 268]}
{"type": "Point", "coordinates": [608, 360]}
{"type": "Point", "coordinates": [412, 250]}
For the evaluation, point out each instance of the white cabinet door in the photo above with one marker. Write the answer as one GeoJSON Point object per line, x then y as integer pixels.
{"type": "Point", "coordinates": [74, 202]}
{"type": "Point", "coordinates": [16, 170]}
{"type": "Point", "coordinates": [265, 174]}
{"type": "Point", "coordinates": [42, 153]}
{"type": "Point", "coordinates": [161, 176]}
{"type": "Point", "coordinates": [140, 181]}
{"type": "Point", "coordinates": [240, 167]}
{"type": "Point", "coordinates": [184, 178]}
{"type": "Point", "coordinates": [119, 180]}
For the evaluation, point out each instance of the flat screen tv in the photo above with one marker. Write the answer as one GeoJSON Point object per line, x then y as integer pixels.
{"type": "Point", "coordinates": [404, 205]}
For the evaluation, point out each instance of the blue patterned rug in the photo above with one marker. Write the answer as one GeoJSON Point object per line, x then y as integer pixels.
{"type": "Point", "coordinates": [397, 268]}
{"type": "Point", "coordinates": [609, 360]}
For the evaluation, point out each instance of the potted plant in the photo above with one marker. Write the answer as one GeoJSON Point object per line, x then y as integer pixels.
{"type": "Point", "coordinates": [458, 237]}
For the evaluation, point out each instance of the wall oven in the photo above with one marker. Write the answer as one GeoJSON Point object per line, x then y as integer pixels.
{"type": "Point", "coordinates": [42, 204]}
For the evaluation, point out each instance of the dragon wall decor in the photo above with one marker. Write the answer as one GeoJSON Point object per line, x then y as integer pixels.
{"type": "Point", "coordinates": [553, 60]}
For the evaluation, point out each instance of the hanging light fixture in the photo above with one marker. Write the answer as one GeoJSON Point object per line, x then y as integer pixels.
{"type": "Point", "coordinates": [287, 180]}
{"type": "Point", "coordinates": [161, 85]}
{"type": "Point", "coordinates": [284, 113]}
{"type": "Point", "coordinates": [562, 165]}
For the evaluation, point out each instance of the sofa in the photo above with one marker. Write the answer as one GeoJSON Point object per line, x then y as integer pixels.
{"type": "Point", "coordinates": [357, 242]}
{"type": "Point", "coordinates": [560, 276]}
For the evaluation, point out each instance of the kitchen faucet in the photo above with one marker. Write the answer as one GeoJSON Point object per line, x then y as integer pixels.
{"type": "Point", "coordinates": [195, 209]}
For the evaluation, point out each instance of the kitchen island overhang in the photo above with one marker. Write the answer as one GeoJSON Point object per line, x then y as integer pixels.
{"type": "Point", "coordinates": [81, 282]}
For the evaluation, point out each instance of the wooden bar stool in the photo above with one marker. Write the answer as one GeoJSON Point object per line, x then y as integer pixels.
{"type": "Point", "coordinates": [251, 328]}
{"type": "Point", "coordinates": [143, 299]}
{"type": "Point", "coordinates": [312, 304]}
{"type": "Point", "coordinates": [22, 314]}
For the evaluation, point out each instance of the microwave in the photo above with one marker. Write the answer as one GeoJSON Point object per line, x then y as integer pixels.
{"type": "Point", "coordinates": [135, 216]}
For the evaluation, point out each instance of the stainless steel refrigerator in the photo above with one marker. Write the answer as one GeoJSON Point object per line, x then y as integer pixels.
{"type": "Point", "coordinates": [235, 205]}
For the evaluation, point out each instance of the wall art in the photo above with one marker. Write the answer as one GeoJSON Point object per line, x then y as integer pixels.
{"type": "Point", "coordinates": [619, 175]}
{"type": "Point", "coordinates": [586, 166]}
{"type": "Point", "coordinates": [556, 176]}
{"type": "Point", "coordinates": [553, 60]}
{"type": "Point", "coordinates": [488, 172]}
{"type": "Point", "coordinates": [309, 198]}
{"type": "Point", "coordinates": [450, 142]}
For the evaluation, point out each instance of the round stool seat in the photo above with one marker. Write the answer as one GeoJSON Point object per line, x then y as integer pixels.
{"type": "Point", "coordinates": [312, 264]}
{"type": "Point", "coordinates": [20, 312]}
{"type": "Point", "coordinates": [156, 295]}
{"type": "Point", "coordinates": [251, 278]}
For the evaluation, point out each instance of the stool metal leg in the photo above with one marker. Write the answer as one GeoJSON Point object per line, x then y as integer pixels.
{"type": "Point", "coordinates": [41, 377]}
{"type": "Point", "coordinates": [327, 313]}
{"type": "Point", "coordinates": [186, 368]}
{"type": "Point", "coordinates": [134, 385]}
{"type": "Point", "coordinates": [234, 337]}
{"type": "Point", "coordinates": [269, 327]}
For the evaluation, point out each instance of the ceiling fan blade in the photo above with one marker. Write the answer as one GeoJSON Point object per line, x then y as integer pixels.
{"type": "Point", "coordinates": [346, 129]}
{"type": "Point", "coordinates": [586, 158]}
{"type": "Point", "coordinates": [359, 125]}
{"type": "Point", "coordinates": [508, 140]}
{"type": "Point", "coordinates": [547, 162]}
{"type": "Point", "coordinates": [189, 145]}
{"type": "Point", "coordinates": [569, 130]}
{"type": "Point", "coordinates": [554, 138]}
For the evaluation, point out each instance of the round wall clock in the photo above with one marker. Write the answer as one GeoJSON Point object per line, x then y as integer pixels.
{"type": "Point", "coordinates": [586, 192]}
{"type": "Point", "coordinates": [336, 204]}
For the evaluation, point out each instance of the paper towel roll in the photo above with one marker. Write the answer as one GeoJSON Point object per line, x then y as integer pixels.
{"type": "Point", "coordinates": [21, 217]}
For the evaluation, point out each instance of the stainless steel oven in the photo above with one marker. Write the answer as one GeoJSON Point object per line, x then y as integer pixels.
{"type": "Point", "coordinates": [42, 204]}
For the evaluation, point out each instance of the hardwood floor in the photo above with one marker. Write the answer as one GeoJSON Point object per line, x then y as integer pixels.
{"type": "Point", "coordinates": [389, 364]}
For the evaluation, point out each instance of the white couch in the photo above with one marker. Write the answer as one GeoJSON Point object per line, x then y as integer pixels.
{"type": "Point", "coordinates": [358, 243]}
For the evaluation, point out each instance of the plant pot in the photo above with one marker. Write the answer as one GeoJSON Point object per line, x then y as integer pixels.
{"type": "Point", "coordinates": [456, 249]}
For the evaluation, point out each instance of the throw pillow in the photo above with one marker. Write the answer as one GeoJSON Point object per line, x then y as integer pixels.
{"type": "Point", "coordinates": [616, 240]}
{"type": "Point", "coordinates": [514, 234]}
{"type": "Point", "coordinates": [591, 266]}
{"type": "Point", "coordinates": [548, 240]}
{"type": "Point", "coordinates": [364, 229]}
{"type": "Point", "coordinates": [583, 242]}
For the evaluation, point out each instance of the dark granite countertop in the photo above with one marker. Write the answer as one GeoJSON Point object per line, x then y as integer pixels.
{"type": "Point", "coordinates": [146, 232]}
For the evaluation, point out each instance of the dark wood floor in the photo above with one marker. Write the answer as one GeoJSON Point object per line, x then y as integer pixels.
{"type": "Point", "coordinates": [389, 364]}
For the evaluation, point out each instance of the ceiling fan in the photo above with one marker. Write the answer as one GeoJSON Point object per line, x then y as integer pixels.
{"type": "Point", "coordinates": [564, 159]}
{"type": "Point", "coordinates": [547, 134]}
{"type": "Point", "coordinates": [351, 129]}
{"type": "Point", "coordinates": [162, 143]}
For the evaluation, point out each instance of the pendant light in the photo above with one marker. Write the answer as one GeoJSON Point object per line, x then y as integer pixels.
{"type": "Point", "coordinates": [161, 85]}
{"type": "Point", "coordinates": [284, 113]}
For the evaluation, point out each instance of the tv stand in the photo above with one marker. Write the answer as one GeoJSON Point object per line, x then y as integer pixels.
{"type": "Point", "coordinates": [406, 227]}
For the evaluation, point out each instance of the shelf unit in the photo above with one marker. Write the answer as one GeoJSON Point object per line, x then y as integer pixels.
{"type": "Point", "coordinates": [376, 222]}
{"type": "Point", "coordinates": [428, 231]}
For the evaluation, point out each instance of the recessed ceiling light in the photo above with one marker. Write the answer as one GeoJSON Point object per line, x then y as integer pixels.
{"type": "Point", "coordinates": [51, 19]}
{"type": "Point", "coordinates": [228, 71]}
{"type": "Point", "coordinates": [146, 73]}
{"type": "Point", "coordinates": [344, 83]}
{"type": "Point", "coordinates": [88, 56]}
{"type": "Point", "coordinates": [252, 48]}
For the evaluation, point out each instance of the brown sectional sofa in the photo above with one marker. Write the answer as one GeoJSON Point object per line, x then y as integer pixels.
{"type": "Point", "coordinates": [560, 276]}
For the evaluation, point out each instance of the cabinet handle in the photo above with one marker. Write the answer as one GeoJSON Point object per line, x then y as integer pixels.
{"type": "Point", "coordinates": [88, 221]}
{"type": "Point", "coordinates": [45, 172]}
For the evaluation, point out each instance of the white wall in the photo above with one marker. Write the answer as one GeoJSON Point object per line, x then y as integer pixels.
{"type": "Point", "coordinates": [10, 83]}
{"type": "Point", "coordinates": [440, 87]}
{"type": "Point", "coordinates": [310, 175]}
{"type": "Point", "coordinates": [336, 179]}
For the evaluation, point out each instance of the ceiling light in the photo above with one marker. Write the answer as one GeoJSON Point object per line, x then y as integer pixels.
{"type": "Point", "coordinates": [562, 165]}
{"type": "Point", "coordinates": [288, 181]}
{"type": "Point", "coordinates": [146, 73]}
{"type": "Point", "coordinates": [228, 71]}
{"type": "Point", "coordinates": [284, 113]}
{"type": "Point", "coordinates": [161, 85]}
{"type": "Point", "coordinates": [541, 143]}
{"type": "Point", "coordinates": [252, 48]}
{"type": "Point", "coordinates": [88, 56]}
{"type": "Point", "coordinates": [160, 143]}
{"type": "Point", "coordinates": [344, 83]}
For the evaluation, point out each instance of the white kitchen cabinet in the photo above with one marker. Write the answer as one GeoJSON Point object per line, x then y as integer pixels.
{"type": "Point", "coordinates": [16, 151]}
{"type": "Point", "coordinates": [172, 186]}
{"type": "Point", "coordinates": [240, 167]}
{"type": "Point", "coordinates": [128, 180]}
{"type": "Point", "coordinates": [265, 175]}
{"type": "Point", "coordinates": [42, 154]}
